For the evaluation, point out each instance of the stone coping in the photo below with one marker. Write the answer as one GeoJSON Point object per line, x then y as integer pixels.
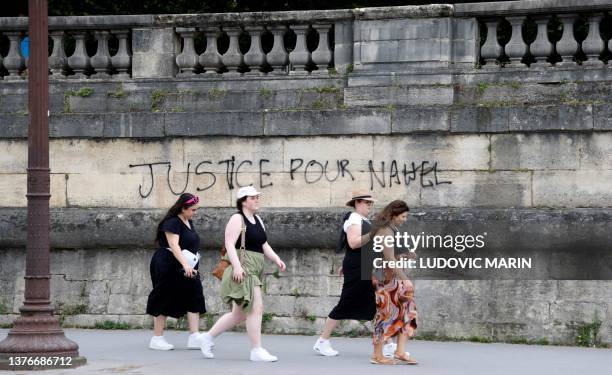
{"type": "Point", "coordinates": [312, 228]}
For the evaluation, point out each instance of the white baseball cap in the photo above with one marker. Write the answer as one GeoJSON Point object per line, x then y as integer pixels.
{"type": "Point", "coordinates": [247, 191]}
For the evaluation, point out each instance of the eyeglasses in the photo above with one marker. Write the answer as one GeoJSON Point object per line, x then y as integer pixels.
{"type": "Point", "coordinates": [192, 201]}
{"type": "Point", "coordinates": [369, 203]}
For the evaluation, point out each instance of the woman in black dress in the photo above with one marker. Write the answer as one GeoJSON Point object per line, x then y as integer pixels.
{"type": "Point", "coordinates": [177, 289]}
{"type": "Point", "coordinates": [357, 298]}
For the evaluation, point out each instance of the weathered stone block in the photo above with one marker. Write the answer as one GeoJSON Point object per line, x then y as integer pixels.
{"type": "Point", "coordinates": [376, 95]}
{"type": "Point", "coordinates": [325, 149]}
{"type": "Point", "coordinates": [134, 125]}
{"type": "Point", "coordinates": [115, 156]}
{"type": "Point", "coordinates": [13, 158]}
{"type": "Point", "coordinates": [279, 305]}
{"type": "Point", "coordinates": [552, 117]}
{"type": "Point", "coordinates": [352, 121]}
{"type": "Point", "coordinates": [602, 117]}
{"type": "Point", "coordinates": [13, 103]}
{"type": "Point", "coordinates": [581, 188]}
{"type": "Point", "coordinates": [535, 151]}
{"type": "Point", "coordinates": [314, 306]}
{"type": "Point", "coordinates": [480, 189]}
{"type": "Point", "coordinates": [420, 119]}
{"type": "Point", "coordinates": [13, 126]}
{"type": "Point", "coordinates": [596, 151]}
{"type": "Point", "coordinates": [479, 120]}
{"type": "Point", "coordinates": [76, 125]}
{"type": "Point", "coordinates": [13, 188]}
{"type": "Point", "coordinates": [237, 155]}
{"type": "Point", "coordinates": [214, 123]}
{"type": "Point", "coordinates": [450, 152]}
{"type": "Point", "coordinates": [154, 52]}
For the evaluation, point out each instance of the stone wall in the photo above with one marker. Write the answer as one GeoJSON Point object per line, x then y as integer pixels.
{"type": "Point", "coordinates": [522, 152]}
{"type": "Point", "coordinates": [91, 287]}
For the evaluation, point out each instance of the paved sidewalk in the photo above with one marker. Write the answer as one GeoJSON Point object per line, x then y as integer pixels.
{"type": "Point", "coordinates": [126, 352]}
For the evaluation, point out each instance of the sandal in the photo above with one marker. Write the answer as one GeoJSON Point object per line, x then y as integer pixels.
{"type": "Point", "coordinates": [407, 360]}
{"type": "Point", "coordinates": [383, 361]}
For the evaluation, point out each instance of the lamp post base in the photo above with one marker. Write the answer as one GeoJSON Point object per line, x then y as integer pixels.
{"type": "Point", "coordinates": [38, 343]}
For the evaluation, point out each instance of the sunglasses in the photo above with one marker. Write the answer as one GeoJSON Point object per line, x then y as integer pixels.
{"type": "Point", "coordinates": [369, 203]}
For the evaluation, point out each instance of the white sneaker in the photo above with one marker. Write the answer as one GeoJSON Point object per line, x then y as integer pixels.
{"type": "Point", "coordinates": [389, 350]}
{"type": "Point", "coordinates": [206, 344]}
{"type": "Point", "coordinates": [194, 341]}
{"type": "Point", "coordinates": [160, 343]}
{"type": "Point", "coordinates": [261, 355]}
{"type": "Point", "coordinates": [324, 347]}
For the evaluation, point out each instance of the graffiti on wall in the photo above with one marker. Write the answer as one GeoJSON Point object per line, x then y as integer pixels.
{"type": "Point", "coordinates": [382, 174]}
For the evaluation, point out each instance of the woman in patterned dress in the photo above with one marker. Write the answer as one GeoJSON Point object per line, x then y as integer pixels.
{"type": "Point", "coordinates": [395, 307]}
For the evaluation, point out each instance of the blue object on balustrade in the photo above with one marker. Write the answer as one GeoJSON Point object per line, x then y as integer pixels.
{"type": "Point", "coordinates": [25, 47]}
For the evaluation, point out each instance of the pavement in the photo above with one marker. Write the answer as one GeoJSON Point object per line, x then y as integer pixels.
{"type": "Point", "coordinates": [126, 352]}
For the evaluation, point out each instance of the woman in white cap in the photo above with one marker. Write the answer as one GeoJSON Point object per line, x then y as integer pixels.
{"type": "Point", "coordinates": [357, 298]}
{"type": "Point", "coordinates": [242, 280]}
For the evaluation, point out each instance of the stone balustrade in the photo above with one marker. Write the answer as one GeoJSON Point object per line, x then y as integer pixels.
{"type": "Point", "coordinates": [278, 59]}
{"type": "Point", "coordinates": [520, 34]}
{"type": "Point", "coordinates": [165, 46]}
{"type": "Point", "coordinates": [79, 47]}
{"type": "Point", "coordinates": [543, 34]}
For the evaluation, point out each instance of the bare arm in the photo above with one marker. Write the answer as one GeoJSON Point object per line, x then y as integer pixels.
{"type": "Point", "coordinates": [232, 233]}
{"type": "Point", "coordinates": [354, 237]}
{"type": "Point", "coordinates": [269, 253]}
{"type": "Point", "coordinates": [173, 242]}
{"type": "Point", "coordinates": [389, 254]}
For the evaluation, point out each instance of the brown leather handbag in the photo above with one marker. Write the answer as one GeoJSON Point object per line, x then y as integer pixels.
{"type": "Point", "coordinates": [224, 263]}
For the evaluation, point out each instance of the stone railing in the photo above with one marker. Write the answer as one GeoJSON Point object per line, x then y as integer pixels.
{"type": "Point", "coordinates": [543, 33]}
{"type": "Point", "coordinates": [277, 59]}
{"type": "Point", "coordinates": [523, 34]}
{"type": "Point", "coordinates": [257, 47]}
{"type": "Point", "coordinates": [100, 46]}
{"type": "Point", "coordinates": [232, 43]}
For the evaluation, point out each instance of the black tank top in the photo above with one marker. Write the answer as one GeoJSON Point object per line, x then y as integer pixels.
{"type": "Point", "coordinates": [255, 235]}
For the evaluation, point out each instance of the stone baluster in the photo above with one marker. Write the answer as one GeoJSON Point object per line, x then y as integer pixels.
{"type": "Point", "coordinates": [255, 58]}
{"type": "Point", "coordinates": [211, 59]}
{"type": "Point", "coordinates": [322, 56]}
{"type": "Point", "coordinates": [14, 61]}
{"type": "Point", "coordinates": [1, 60]}
{"type": "Point", "coordinates": [58, 62]}
{"type": "Point", "coordinates": [541, 47]}
{"type": "Point", "coordinates": [593, 45]}
{"type": "Point", "coordinates": [122, 60]}
{"type": "Point", "coordinates": [79, 61]}
{"type": "Point", "coordinates": [233, 58]}
{"type": "Point", "coordinates": [567, 46]}
{"type": "Point", "coordinates": [101, 61]}
{"type": "Point", "coordinates": [278, 58]}
{"type": "Point", "coordinates": [491, 50]}
{"type": "Point", "coordinates": [516, 47]}
{"type": "Point", "coordinates": [187, 60]}
{"type": "Point", "coordinates": [300, 56]}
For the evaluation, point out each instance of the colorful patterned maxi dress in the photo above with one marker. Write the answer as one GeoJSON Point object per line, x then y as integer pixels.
{"type": "Point", "coordinates": [395, 306]}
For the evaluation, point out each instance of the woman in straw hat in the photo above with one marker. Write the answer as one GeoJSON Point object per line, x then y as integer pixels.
{"type": "Point", "coordinates": [357, 297]}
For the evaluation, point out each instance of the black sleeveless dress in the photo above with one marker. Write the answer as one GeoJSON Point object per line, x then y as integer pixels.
{"type": "Point", "coordinates": [174, 294]}
{"type": "Point", "coordinates": [357, 300]}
